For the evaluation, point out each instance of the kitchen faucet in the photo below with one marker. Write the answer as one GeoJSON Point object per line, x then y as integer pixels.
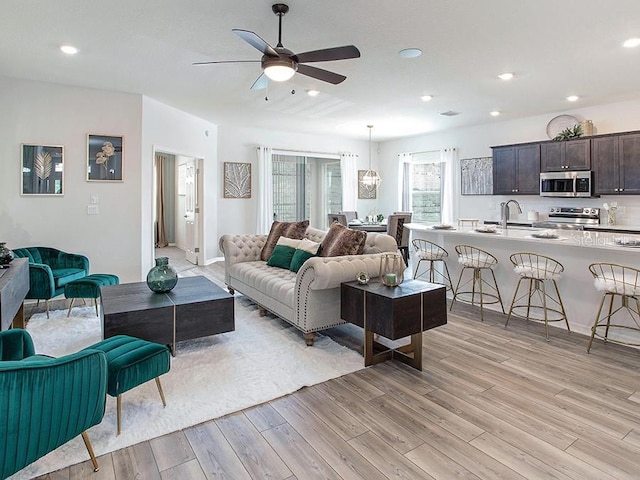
{"type": "Point", "coordinates": [504, 212]}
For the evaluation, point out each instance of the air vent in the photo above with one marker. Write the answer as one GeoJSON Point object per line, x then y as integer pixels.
{"type": "Point", "coordinates": [449, 113]}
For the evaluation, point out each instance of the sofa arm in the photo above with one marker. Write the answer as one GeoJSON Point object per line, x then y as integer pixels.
{"type": "Point", "coordinates": [41, 283]}
{"type": "Point", "coordinates": [320, 273]}
{"type": "Point", "coordinates": [241, 248]}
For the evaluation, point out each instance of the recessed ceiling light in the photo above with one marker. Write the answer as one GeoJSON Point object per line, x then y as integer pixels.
{"type": "Point", "coordinates": [410, 53]}
{"type": "Point", "coordinates": [313, 93]}
{"type": "Point", "coordinates": [495, 113]}
{"type": "Point", "coordinates": [631, 42]}
{"type": "Point", "coordinates": [426, 98]}
{"type": "Point", "coordinates": [572, 98]}
{"type": "Point", "coordinates": [506, 76]}
{"type": "Point", "coordinates": [69, 49]}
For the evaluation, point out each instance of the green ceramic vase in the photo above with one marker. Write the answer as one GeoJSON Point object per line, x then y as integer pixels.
{"type": "Point", "coordinates": [163, 277]}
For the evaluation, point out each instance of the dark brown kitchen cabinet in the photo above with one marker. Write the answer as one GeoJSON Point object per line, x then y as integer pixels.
{"type": "Point", "coordinates": [616, 164]}
{"type": "Point", "coordinates": [516, 169]}
{"type": "Point", "coordinates": [567, 155]}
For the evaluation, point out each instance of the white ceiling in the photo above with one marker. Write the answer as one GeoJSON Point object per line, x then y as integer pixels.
{"type": "Point", "coordinates": [555, 47]}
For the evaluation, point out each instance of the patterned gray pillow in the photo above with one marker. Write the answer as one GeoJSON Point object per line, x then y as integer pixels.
{"type": "Point", "coordinates": [294, 230]}
{"type": "Point", "coordinates": [341, 240]}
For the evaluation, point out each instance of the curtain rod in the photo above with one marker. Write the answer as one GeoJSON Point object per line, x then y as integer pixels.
{"type": "Point", "coordinates": [276, 151]}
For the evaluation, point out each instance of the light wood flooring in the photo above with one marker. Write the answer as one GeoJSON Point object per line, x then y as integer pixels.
{"type": "Point", "coordinates": [489, 404]}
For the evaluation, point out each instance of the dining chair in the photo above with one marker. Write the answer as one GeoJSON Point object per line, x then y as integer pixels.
{"type": "Point", "coordinates": [396, 228]}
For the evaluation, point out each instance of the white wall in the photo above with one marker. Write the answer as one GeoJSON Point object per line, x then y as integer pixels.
{"type": "Point", "coordinates": [49, 114]}
{"type": "Point", "coordinates": [119, 239]}
{"type": "Point", "coordinates": [238, 144]}
{"type": "Point", "coordinates": [168, 129]}
{"type": "Point", "coordinates": [476, 141]}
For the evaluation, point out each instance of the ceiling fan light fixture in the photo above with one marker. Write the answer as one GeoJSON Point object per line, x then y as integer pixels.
{"type": "Point", "coordinates": [280, 69]}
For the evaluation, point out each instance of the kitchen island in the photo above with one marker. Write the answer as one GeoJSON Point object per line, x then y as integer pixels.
{"type": "Point", "coordinates": [575, 249]}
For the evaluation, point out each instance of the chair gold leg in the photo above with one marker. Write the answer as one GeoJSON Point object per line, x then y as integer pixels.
{"type": "Point", "coordinates": [119, 410]}
{"type": "Point", "coordinates": [164, 402]}
{"type": "Point", "coordinates": [70, 307]}
{"type": "Point", "coordinates": [47, 304]}
{"type": "Point", "coordinates": [87, 443]}
{"type": "Point", "coordinates": [95, 300]}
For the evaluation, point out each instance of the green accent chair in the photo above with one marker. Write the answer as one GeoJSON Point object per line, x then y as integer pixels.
{"type": "Point", "coordinates": [44, 401]}
{"type": "Point", "coordinates": [50, 270]}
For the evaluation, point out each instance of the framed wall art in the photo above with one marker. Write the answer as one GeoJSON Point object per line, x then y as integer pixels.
{"type": "Point", "coordinates": [42, 169]}
{"type": "Point", "coordinates": [237, 180]}
{"type": "Point", "coordinates": [476, 175]}
{"type": "Point", "coordinates": [105, 158]}
{"type": "Point", "coordinates": [366, 192]}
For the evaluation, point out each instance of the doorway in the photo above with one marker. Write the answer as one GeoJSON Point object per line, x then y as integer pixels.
{"type": "Point", "coordinates": [177, 207]}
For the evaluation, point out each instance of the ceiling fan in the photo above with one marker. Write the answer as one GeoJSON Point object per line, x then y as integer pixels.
{"type": "Point", "coordinates": [280, 63]}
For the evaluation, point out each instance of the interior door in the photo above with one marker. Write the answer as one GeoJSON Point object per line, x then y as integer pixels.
{"type": "Point", "coordinates": [191, 211]}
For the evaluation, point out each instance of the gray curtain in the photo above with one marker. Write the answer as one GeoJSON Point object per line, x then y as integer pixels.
{"type": "Point", "coordinates": [161, 231]}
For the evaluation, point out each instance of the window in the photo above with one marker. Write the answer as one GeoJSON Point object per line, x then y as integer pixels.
{"type": "Point", "coordinates": [306, 188]}
{"type": "Point", "coordinates": [424, 180]}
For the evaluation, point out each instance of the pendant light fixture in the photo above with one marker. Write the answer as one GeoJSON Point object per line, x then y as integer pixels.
{"type": "Point", "coordinates": [371, 178]}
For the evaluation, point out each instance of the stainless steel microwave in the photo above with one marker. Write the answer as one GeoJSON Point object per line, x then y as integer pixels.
{"type": "Point", "coordinates": [566, 184]}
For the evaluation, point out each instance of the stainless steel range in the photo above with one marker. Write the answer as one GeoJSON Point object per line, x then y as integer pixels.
{"type": "Point", "coordinates": [570, 218]}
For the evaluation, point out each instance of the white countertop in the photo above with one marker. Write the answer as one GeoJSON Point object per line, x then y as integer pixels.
{"type": "Point", "coordinates": [577, 238]}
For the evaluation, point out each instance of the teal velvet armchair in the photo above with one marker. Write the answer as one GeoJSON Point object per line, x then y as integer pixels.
{"type": "Point", "coordinates": [44, 401]}
{"type": "Point", "coordinates": [50, 270]}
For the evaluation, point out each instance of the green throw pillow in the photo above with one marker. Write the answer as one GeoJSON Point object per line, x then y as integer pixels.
{"type": "Point", "coordinates": [306, 249]}
{"type": "Point", "coordinates": [283, 252]}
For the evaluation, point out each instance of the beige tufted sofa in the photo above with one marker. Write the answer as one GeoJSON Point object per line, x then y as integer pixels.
{"type": "Point", "coordinates": [308, 299]}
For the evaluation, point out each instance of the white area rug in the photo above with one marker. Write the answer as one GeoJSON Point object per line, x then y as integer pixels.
{"type": "Point", "coordinates": [263, 359]}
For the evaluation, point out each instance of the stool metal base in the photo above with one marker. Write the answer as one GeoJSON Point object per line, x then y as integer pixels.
{"type": "Point", "coordinates": [605, 321]}
{"type": "Point", "coordinates": [435, 276]}
{"type": "Point", "coordinates": [480, 289]}
{"type": "Point", "coordinates": [551, 308]}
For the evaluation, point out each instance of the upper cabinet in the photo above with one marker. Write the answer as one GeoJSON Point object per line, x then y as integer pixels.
{"type": "Point", "coordinates": [516, 169]}
{"type": "Point", "coordinates": [567, 155]}
{"type": "Point", "coordinates": [614, 159]}
{"type": "Point", "coordinates": [616, 164]}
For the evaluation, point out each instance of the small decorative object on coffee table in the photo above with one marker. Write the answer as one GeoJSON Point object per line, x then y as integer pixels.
{"type": "Point", "coordinates": [363, 278]}
{"type": "Point", "coordinates": [6, 255]}
{"type": "Point", "coordinates": [391, 270]}
{"type": "Point", "coordinates": [163, 277]}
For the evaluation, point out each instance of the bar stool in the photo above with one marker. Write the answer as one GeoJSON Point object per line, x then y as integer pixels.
{"type": "Point", "coordinates": [616, 281]}
{"type": "Point", "coordinates": [477, 260]}
{"type": "Point", "coordinates": [427, 251]}
{"type": "Point", "coordinates": [538, 270]}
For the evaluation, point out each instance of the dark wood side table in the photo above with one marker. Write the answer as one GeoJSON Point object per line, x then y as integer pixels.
{"type": "Point", "coordinates": [394, 312]}
{"type": "Point", "coordinates": [14, 286]}
{"type": "Point", "coordinates": [195, 308]}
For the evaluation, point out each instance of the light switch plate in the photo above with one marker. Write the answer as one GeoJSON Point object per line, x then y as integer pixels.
{"type": "Point", "coordinates": [92, 210]}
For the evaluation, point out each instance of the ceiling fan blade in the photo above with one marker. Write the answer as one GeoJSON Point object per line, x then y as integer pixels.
{"type": "Point", "coordinates": [261, 83]}
{"type": "Point", "coordinates": [226, 61]}
{"type": "Point", "coordinates": [320, 74]}
{"type": "Point", "coordinates": [255, 41]}
{"type": "Point", "coordinates": [328, 54]}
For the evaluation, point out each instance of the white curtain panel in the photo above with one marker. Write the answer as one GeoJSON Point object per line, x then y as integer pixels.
{"type": "Point", "coordinates": [450, 158]}
{"type": "Point", "coordinates": [404, 182]}
{"type": "Point", "coordinates": [349, 173]}
{"type": "Point", "coordinates": [265, 190]}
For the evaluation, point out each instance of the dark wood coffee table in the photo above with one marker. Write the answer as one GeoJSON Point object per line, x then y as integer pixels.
{"type": "Point", "coordinates": [394, 312]}
{"type": "Point", "coordinates": [196, 307]}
